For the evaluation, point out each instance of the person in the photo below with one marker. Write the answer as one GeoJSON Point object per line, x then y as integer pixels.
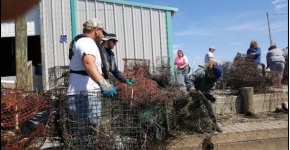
{"type": "Point", "coordinates": [203, 79]}
{"type": "Point", "coordinates": [11, 9]}
{"type": "Point", "coordinates": [110, 68]}
{"type": "Point", "coordinates": [254, 52]}
{"type": "Point", "coordinates": [182, 66]}
{"type": "Point", "coordinates": [85, 82]}
{"type": "Point", "coordinates": [276, 62]}
{"type": "Point", "coordinates": [209, 55]}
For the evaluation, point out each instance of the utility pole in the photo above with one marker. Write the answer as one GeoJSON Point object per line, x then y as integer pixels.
{"type": "Point", "coordinates": [21, 53]}
{"type": "Point", "coordinates": [270, 36]}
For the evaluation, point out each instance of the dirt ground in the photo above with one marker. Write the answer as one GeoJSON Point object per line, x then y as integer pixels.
{"type": "Point", "coordinates": [259, 117]}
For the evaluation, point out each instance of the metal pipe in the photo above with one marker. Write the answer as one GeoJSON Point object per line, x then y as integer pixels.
{"type": "Point", "coordinates": [270, 36]}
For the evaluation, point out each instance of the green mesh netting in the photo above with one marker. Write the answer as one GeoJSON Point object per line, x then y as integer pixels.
{"type": "Point", "coordinates": [153, 123]}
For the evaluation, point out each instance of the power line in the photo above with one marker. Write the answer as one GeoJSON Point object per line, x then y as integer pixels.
{"type": "Point", "coordinates": [280, 14]}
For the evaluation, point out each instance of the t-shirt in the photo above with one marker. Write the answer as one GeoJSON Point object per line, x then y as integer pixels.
{"type": "Point", "coordinates": [180, 61]}
{"type": "Point", "coordinates": [79, 82]}
{"type": "Point", "coordinates": [207, 56]}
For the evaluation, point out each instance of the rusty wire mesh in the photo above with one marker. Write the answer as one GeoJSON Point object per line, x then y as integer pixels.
{"type": "Point", "coordinates": [156, 107]}
{"type": "Point", "coordinates": [58, 77]}
{"type": "Point", "coordinates": [24, 116]}
{"type": "Point", "coordinates": [89, 121]}
{"type": "Point", "coordinates": [161, 107]}
{"type": "Point", "coordinates": [147, 91]}
{"type": "Point", "coordinates": [162, 61]}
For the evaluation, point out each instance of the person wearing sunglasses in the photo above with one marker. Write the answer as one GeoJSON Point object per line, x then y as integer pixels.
{"type": "Point", "coordinates": [110, 68]}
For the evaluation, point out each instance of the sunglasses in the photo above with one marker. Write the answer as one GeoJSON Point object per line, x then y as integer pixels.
{"type": "Point", "coordinates": [114, 41]}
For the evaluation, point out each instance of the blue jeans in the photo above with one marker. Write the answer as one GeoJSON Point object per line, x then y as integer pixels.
{"type": "Point", "coordinates": [84, 114]}
{"type": "Point", "coordinates": [181, 75]}
{"type": "Point", "coordinates": [277, 66]}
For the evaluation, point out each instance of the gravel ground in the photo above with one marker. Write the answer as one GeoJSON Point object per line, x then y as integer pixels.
{"type": "Point", "coordinates": [259, 117]}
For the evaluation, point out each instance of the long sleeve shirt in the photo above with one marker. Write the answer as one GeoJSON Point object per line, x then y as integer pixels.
{"type": "Point", "coordinates": [201, 80]}
{"type": "Point", "coordinates": [113, 68]}
{"type": "Point", "coordinates": [257, 57]}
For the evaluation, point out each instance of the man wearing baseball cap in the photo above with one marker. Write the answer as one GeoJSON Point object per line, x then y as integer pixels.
{"type": "Point", "coordinates": [85, 60]}
{"type": "Point", "coordinates": [203, 79]}
{"type": "Point", "coordinates": [110, 68]}
{"type": "Point", "coordinates": [85, 82]}
{"type": "Point", "coordinates": [209, 55]}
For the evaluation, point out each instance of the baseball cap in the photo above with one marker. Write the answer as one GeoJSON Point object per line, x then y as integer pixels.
{"type": "Point", "coordinates": [211, 47]}
{"type": "Point", "coordinates": [218, 72]}
{"type": "Point", "coordinates": [96, 23]}
{"type": "Point", "coordinates": [110, 36]}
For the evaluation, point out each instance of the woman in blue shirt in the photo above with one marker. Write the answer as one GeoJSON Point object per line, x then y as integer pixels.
{"type": "Point", "coordinates": [254, 51]}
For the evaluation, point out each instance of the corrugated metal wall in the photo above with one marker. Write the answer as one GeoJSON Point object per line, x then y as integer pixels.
{"type": "Point", "coordinates": [141, 31]}
{"type": "Point", "coordinates": [55, 21]}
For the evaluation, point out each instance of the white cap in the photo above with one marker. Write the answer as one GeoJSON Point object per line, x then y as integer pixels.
{"type": "Point", "coordinates": [96, 23]}
{"type": "Point", "coordinates": [211, 47]}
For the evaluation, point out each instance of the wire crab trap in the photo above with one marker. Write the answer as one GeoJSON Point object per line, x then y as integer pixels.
{"type": "Point", "coordinates": [243, 72]}
{"type": "Point", "coordinates": [132, 67]}
{"type": "Point", "coordinates": [191, 114]}
{"type": "Point", "coordinates": [58, 77]}
{"type": "Point", "coordinates": [162, 61]}
{"type": "Point", "coordinates": [161, 73]}
{"type": "Point", "coordinates": [24, 116]}
{"type": "Point", "coordinates": [89, 121]}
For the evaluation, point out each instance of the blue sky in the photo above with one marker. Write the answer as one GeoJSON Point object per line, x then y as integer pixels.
{"type": "Point", "coordinates": [228, 25]}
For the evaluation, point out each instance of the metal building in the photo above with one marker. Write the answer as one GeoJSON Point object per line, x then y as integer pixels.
{"type": "Point", "coordinates": [144, 31]}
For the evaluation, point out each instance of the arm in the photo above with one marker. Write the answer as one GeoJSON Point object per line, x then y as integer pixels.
{"type": "Point", "coordinates": [258, 52]}
{"type": "Point", "coordinates": [175, 63]}
{"type": "Point", "coordinates": [89, 53]}
{"type": "Point", "coordinates": [118, 74]}
{"type": "Point", "coordinates": [249, 52]}
{"type": "Point", "coordinates": [190, 79]}
{"type": "Point", "coordinates": [91, 68]}
{"type": "Point", "coordinates": [283, 54]}
{"type": "Point", "coordinates": [210, 89]}
{"type": "Point", "coordinates": [208, 93]}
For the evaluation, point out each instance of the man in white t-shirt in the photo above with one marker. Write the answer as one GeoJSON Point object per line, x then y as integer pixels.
{"type": "Point", "coordinates": [85, 84]}
{"type": "Point", "coordinates": [209, 56]}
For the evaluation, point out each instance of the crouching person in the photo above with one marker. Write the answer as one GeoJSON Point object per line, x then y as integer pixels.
{"type": "Point", "coordinates": [203, 79]}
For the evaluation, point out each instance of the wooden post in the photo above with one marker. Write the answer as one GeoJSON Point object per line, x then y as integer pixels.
{"type": "Point", "coordinates": [21, 59]}
{"type": "Point", "coordinates": [30, 75]}
{"type": "Point", "coordinates": [21, 53]}
{"type": "Point", "coordinates": [247, 95]}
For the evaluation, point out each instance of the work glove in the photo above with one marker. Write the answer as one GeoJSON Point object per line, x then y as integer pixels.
{"type": "Point", "coordinates": [211, 98]}
{"type": "Point", "coordinates": [253, 54]}
{"type": "Point", "coordinates": [108, 90]}
{"type": "Point", "coordinates": [130, 82]}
